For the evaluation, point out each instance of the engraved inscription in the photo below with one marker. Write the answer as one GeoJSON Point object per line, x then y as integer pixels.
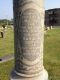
{"type": "Point", "coordinates": [28, 37]}
{"type": "Point", "coordinates": [30, 29]}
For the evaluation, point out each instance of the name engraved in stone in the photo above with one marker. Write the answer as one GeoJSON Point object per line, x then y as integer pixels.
{"type": "Point", "coordinates": [30, 31]}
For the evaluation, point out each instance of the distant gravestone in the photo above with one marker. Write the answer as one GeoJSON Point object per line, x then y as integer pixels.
{"type": "Point", "coordinates": [51, 27]}
{"type": "Point", "coordinates": [2, 32]}
{"type": "Point", "coordinates": [29, 34]}
{"type": "Point", "coordinates": [0, 59]}
{"type": "Point", "coordinates": [48, 28]}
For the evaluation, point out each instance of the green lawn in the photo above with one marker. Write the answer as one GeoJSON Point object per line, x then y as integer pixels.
{"type": "Point", "coordinates": [5, 70]}
{"type": "Point", "coordinates": [52, 54]}
{"type": "Point", "coordinates": [7, 43]}
{"type": "Point", "coordinates": [51, 57]}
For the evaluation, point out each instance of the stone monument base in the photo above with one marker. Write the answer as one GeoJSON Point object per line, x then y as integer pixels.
{"type": "Point", "coordinates": [43, 76]}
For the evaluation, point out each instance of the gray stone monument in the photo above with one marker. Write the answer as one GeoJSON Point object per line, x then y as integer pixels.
{"type": "Point", "coordinates": [29, 38]}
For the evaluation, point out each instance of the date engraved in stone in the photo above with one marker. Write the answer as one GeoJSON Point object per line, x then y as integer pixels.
{"type": "Point", "coordinates": [30, 29]}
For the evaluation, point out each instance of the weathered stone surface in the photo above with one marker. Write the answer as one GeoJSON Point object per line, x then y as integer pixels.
{"type": "Point", "coordinates": [29, 38]}
{"type": "Point", "coordinates": [43, 76]}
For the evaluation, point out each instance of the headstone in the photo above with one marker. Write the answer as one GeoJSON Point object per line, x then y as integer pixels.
{"type": "Point", "coordinates": [29, 38]}
{"type": "Point", "coordinates": [0, 59]}
{"type": "Point", "coordinates": [2, 35]}
{"type": "Point", "coordinates": [48, 28]}
{"type": "Point", "coordinates": [51, 27]}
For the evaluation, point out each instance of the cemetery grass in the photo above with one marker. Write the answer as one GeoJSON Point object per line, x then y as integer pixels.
{"type": "Point", "coordinates": [51, 57]}
{"type": "Point", "coordinates": [5, 70]}
{"type": "Point", "coordinates": [52, 53]}
{"type": "Point", "coordinates": [7, 43]}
